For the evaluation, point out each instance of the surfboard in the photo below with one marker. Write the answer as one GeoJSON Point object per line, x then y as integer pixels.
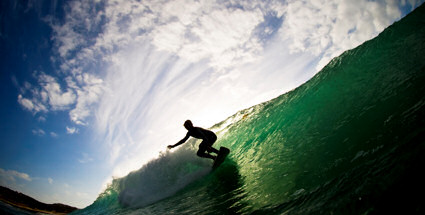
{"type": "Point", "coordinates": [222, 154]}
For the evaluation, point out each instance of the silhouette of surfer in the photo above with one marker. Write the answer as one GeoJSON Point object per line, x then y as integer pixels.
{"type": "Point", "coordinates": [208, 138]}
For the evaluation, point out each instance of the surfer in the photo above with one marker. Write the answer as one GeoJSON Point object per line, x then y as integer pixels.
{"type": "Point", "coordinates": [208, 138]}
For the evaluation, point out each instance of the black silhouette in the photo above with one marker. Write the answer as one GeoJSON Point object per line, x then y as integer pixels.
{"type": "Point", "coordinates": [208, 138]}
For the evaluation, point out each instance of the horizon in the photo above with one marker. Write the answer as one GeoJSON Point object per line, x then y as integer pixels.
{"type": "Point", "coordinates": [94, 90]}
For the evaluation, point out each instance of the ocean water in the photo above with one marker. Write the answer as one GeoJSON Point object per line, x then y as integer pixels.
{"type": "Point", "coordinates": [349, 141]}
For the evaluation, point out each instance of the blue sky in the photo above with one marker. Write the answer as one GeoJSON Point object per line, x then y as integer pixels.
{"type": "Point", "coordinates": [92, 90]}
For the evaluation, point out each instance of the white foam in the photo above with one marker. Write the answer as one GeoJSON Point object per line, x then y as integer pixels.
{"type": "Point", "coordinates": [162, 177]}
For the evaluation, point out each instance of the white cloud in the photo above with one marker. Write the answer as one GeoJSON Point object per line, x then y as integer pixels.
{"type": "Point", "coordinates": [53, 134]}
{"type": "Point", "coordinates": [50, 180]}
{"type": "Point", "coordinates": [31, 105]}
{"type": "Point", "coordinates": [66, 36]}
{"type": "Point", "coordinates": [48, 96]}
{"type": "Point", "coordinates": [88, 95]}
{"type": "Point", "coordinates": [71, 130]}
{"type": "Point", "coordinates": [26, 103]}
{"type": "Point", "coordinates": [81, 89]}
{"type": "Point", "coordinates": [52, 92]}
{"type": "Point", "coordinates": [223, 35]}
{"type": "Point", "coordinates": [85, 158]}
{"type": "Point", "coordinates": [328, 28]}
{"type": "Point", "coordinates": [8, 177]}
{"type": "Point", "coordinates": [39, 132]}
{"type": "Point", "coordinates": [82, 92]}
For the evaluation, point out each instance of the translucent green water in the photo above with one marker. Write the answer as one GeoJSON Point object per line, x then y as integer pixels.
{"type": "Point", "coordinates": [349, 141]}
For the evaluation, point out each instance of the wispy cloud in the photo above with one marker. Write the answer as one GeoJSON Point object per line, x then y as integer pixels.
{"type": "Point", "coordinates": [14, 179]}
{"type": "Point", "coordinates": [8, 177]}
{"type": "Point", "coordinates": [85, 158]}
{"type": "Point", "coordinates": [71, 130]}
{"type": "Point", "coordinates": [52, 93]}
{"type": "Point", "coordinates": [328, 28]}
{"type": "Point", "coordinates": [33, 105]}
{"type": "Point", "coordinates": [39, 132]}
{"type": "Point", "coordinates": [47, 96]}
{"type": "Point", "coordinates": [225, 36]}
{"type": "Point", "coordinates": [89, 89]}
{"type": "Point", "coordinates": [50, 180]}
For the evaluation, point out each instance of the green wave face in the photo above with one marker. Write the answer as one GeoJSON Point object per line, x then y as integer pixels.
{"type": "Point", "coordinates": [349, 141]}
{"type": "Point", "coordinates": [352, 126]}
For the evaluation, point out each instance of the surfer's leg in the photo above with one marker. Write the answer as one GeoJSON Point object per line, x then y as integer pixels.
{"type": "Point", "coordinates": [212, 149]}
{"type": "Point", "coordinates": [205, 155]}
{"type": "Point", "coordinates": [202, 148]}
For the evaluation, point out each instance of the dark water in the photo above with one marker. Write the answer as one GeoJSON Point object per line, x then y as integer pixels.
{"type": "Point", "coordinates": [349, 141]}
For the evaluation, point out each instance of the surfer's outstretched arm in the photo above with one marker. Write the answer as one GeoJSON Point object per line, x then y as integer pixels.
{"type": "Point", "coordinates": [180, 142]}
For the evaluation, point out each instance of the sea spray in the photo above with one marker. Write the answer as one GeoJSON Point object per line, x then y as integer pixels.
{"type": "Point", "coordinates": [162, 177]}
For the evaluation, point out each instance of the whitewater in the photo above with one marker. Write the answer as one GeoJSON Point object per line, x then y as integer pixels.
{"type": "Point", "coordinates": [351, 140]}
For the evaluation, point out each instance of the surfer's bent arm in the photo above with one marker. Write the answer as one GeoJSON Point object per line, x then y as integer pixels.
{"type": "Point", "coordinates": [180, 142]}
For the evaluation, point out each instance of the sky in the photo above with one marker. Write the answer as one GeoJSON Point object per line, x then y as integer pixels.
{"type": "Point", "coordinates": [92, 90]}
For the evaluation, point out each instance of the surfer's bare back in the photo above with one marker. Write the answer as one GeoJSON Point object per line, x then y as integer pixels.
{"type": "Point", "coordinates": [208, 138]}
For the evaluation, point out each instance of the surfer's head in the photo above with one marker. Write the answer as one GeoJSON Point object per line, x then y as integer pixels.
{"type": "Point", "coordinates": [188, 124]}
